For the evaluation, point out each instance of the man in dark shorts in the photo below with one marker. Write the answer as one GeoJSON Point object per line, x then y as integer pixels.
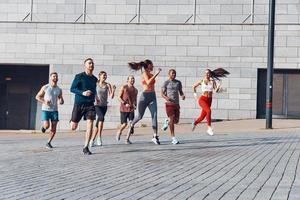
{"type": "Point", "coordinates": [84, 88]}
{"type": "Point", "coordinates": [170, 92]}
{"type": "Point", "coordinates": [128, 99]}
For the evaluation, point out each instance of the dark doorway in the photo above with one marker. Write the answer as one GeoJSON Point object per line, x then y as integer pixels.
{"type": "Point", "coordinates": [19, 85]}
{"type": "Point", "coordinates": [286, 93]}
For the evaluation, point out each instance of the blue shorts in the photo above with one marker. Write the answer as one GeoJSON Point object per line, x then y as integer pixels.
{"type": "Point", "coordinates": [50, 115]}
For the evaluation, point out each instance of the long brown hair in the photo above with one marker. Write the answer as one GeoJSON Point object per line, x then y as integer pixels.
{"type": "Point", "coordinates": [218, 73]}
{"type": "Point", "coordinates": [140, 65]}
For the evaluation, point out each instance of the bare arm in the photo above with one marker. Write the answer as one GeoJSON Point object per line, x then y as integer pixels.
{"type": "Point", "coordinates": [181, 92]}
{"type": "Point", "coordinates": [196, 85]}
{"type": "Point", "coordinates": [111, 90]}
{"type": "Point", "coordinates": [60, 98]}
{"type": "Point", "coordinates": [149, 80]}
{"type": "Point", "coordinates": [40, 96]}
{"type": "Point", "coordinates": [120, 95]}
{"type": "Point", "coordinates": [216, 86]}
{"type": "Point", "coordinates": [164, 94]}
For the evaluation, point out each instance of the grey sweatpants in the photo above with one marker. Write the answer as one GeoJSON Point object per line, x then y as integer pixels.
{"type": "Point", "coordinates": [147, 99]}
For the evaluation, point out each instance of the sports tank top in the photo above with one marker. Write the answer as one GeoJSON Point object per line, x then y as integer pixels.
{"type": "Point", "coordinates": [51, 94]}
{"type": "Point", "coordinates": [207, 87]}
{"type": "Point", "coordinates": [151, 85]}
{"type": "Point", "coordinates": [102, 94]}
{"type": "Point", "coordinates": [129, 96]}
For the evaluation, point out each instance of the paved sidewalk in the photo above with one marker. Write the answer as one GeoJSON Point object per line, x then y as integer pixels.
{"type": "Point", "coordinates": [241, 161]}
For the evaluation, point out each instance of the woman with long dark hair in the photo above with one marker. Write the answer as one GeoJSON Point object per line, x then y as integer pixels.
{"type": "Point", "coordinates": [208, 85]}
{"type": "Point", "coordinates": [104, 90]}
{"type": "Point", "coordinates": [148, 97]}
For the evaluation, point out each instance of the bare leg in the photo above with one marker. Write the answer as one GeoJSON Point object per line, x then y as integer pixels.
{"type": "Point", "coordinates": [171, 126]}
{"type": "Point", "coordinates": [89, 131]}
{"type": "Point", "coordinates": [74, 125]}
{"type": "Point", "coordinates": [123, 126]}
{"type": "Point", "coordinates": [52, 131]}
{"type": "Point", "coordinates": [94, 134]}
{"type": "Point", "coordinates": [46, 124]}
{"type": "Point", "coordinates": [100, 128]}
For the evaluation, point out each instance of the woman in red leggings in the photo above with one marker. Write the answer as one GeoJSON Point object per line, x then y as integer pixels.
{"type": "Point", "coordinates": [208, 85]}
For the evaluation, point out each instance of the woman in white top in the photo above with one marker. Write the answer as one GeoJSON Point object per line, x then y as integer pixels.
{"type": "Point", "coordinates": [208, 85]}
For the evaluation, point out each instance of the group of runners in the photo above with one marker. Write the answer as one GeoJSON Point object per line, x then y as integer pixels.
{"type": "Point", "coordinates": [91, 100]}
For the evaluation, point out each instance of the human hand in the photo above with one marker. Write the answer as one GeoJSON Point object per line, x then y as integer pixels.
{"type": "Point", "coordinates": [195, 96]}
{"type": "Point", "coordinates": [127, 105]}
{"type": "Point", "coordinates": [87, 93]}
{"type": "Point", "coordinates": [158, 70]}
{"type": "Point", "coordinates": [47, 102]}
{"type": "Point", "coordinates": [183, 97]}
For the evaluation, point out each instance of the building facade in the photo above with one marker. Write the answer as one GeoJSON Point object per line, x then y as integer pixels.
{"type": "Point", "coordinates": [188, 35]}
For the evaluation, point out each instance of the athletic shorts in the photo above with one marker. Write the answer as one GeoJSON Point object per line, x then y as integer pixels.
{"type": "Point", "coordinates": [126, 116]}
{"type": "Point", "coordinates": [100, 111]}
{"type": "Point", "coordinates": [173, 110]}
{"type": "Point", "coordinates": [50, 115]}
{"type": "Point", "coordinates": [87, 111]}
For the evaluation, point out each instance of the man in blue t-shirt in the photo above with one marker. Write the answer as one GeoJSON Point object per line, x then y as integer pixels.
{"type": "Point", "coordinates": [84, 88]}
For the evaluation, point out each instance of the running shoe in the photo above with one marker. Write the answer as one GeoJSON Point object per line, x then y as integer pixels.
{"type": "Point", "coordinates": [127, 141]}
{"type": "Point", "coordinates": [86, 151]}
{"type": "Point", "coordinates": [118, 136]}
{"type": "Point", "coordinates": [155, 140]}
{"type": "Point", "coordinates": [175, 141]}
{"type": "Point", "coordinates": [193, 125]}
{"type": "Point", "coordinates": [210, 131]}
{"type": "Point", "coordinates": [43, 129]}
{"type": "Point", "coordinates": [49, 146]}
{"type": "Point", "coordinates": [165, 125]}
{"type": "Point", "coordinates": [99, 141]}
{"type": "Point", "coordinates": [92, 143]}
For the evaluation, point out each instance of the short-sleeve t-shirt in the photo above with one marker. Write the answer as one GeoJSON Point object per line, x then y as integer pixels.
{"type": "Point", "coordinates": [172, 89]}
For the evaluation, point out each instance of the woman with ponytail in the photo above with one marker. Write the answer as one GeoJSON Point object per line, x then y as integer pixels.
{"type": "Point", "coordinates": [208, 85]}
{"type": "Point", "coordinates": [147, 98]}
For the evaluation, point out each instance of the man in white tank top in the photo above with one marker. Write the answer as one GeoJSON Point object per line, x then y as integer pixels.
{"type": "Point", "coordinates": [49, 95]}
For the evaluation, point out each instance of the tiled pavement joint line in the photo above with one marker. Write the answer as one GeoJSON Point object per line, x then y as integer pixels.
{"type": "Point", "coordinates": [75, 166]}
{"type": "Point", "coordinates": [168, 171]}
{"type": "Point", "coordinates": [111, 177]}
{"type": "Point", "coordinates": [81, 179]}
{"type": "Point", "coordinates": [238, 182]}
{"type": "Point", "coordinates": [203, 167]}
{"type": "Point", "coordinates": [280, 158]}
{"type": "Point", "coordinates": [244, 164]}
{"type": "Point", "coordinates": [178, 174]}
{"type": "Point", "coordinates": [284, 172]}
{"type": "Point", "coordinates": [49, 177]}
{"type": "Point", "coordinates": [120, 176]}
{"type": "Point", "coordinates": [290, 193]}
{"type": "Point", "coordinates": [188, 192]}
{"type": "Point", "coordinates": [258, 176]}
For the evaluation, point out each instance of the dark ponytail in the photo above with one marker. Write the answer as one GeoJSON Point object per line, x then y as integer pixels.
{"type": "Point", "coordinates": [139, 66]}
{"type": "Point", "coordinates": [218, 73]}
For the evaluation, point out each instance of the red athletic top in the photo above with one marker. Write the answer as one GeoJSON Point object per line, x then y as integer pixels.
{"type": "Point", "coordinates": [129, 96]}
{"type": "Point", "coordinates": [149, 87]}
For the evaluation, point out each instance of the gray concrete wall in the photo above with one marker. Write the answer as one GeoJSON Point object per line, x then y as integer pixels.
{"type": "Point", "coordinates": [152, 11]}
{"type": "Point", "coordinates": [190, 49]}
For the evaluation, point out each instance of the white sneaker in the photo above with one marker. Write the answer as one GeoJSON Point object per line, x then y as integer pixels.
{"type": "Point", "coordinates": [175, 141]}
{"type": "Point", "coordinates": [118, 137]}
{"type": "Point", "coordinates": [155, 140]}
{"type": "Point", "coordinates": [193, 126]}
{"type": "Point", "coordinates": [92, 143]}
{"type": "Point", "coordinates": [165, 125]}
{"type": "Point", "coordinates": [99, 141]}
{"type": "Point", "coordinates": [210, 131]}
